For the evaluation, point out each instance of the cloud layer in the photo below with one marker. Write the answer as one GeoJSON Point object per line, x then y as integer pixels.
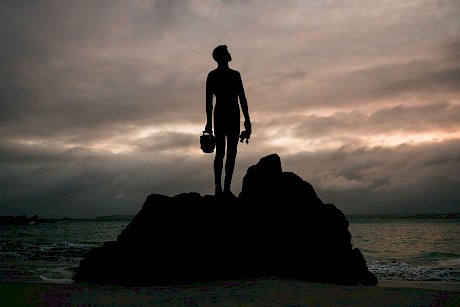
{"type": "Point", "coordinates": [102, 103]}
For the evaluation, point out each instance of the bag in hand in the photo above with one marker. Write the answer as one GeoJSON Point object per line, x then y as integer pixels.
{"type": "Point", "coordinates": [207, 142]}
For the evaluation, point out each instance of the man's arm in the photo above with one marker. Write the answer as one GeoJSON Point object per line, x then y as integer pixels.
{"type": "Point", "coordinates": [244, 104]}
{"type": "Point", "coordinates": [209, 105]}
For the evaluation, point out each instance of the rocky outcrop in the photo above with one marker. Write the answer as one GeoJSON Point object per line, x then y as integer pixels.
{"type": "Point", "coordinates": [277, 226]}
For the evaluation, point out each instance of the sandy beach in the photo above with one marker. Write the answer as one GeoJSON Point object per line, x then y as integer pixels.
{"type": "Point", "coordinates": [258, 292]}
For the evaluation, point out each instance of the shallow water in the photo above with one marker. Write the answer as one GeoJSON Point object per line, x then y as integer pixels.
{"type": "Point", "coordinates": [418, 250]}
{"type": "Point", "coordinates": [414, 249]}
{"type": "Point", "coordinates": [49, 252]}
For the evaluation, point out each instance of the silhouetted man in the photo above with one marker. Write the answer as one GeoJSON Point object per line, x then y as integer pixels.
{"type": "Point", "coordinates": [226, 84]}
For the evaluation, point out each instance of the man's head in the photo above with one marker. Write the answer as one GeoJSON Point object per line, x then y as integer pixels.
{"type": "Point", "coordinates": [221, 54]}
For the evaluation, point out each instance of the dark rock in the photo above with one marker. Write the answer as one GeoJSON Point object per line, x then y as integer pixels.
{"type": "Point", "coordinates": [21, 220]}
{"type": "Point", "coordinates": [277, 226]}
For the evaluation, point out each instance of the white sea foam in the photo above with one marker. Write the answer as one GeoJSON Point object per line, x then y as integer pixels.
{"type": "Point", "coordinates": [390, 270]}
{"type": "Point", "coordinates": [60, 275]}
{"type": "Point", "coordinates": [56, 280]}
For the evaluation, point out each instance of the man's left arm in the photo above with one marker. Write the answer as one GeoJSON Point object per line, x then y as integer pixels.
{"type": "Point", "coordinates": [244, 104]}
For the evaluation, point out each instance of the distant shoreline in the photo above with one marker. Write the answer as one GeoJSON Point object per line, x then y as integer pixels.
{"type": "Point", "coordinates": [129, 217]}
{"type": "Point", "coordinates": [424, 216]}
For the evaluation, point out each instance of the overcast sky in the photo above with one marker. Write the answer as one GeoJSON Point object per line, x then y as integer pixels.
{"type": "Point", "coordinates": [102, 102]}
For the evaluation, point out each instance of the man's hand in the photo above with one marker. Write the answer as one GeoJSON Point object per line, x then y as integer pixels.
{"type": "Point", "coordinates": [246, 134]}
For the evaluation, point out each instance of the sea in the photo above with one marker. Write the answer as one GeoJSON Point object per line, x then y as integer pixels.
{"type": "Point", "coordinates": [422, 249]}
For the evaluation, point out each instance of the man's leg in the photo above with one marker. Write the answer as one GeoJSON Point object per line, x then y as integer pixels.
{"type": "Point", "coordinates": [219, 163]}
{"type": "Point", "coordinates": [232, 148]}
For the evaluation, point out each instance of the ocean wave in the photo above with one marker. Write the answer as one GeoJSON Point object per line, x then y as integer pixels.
{"type": "Point", "coordinates": [11, 254]}
{"type": "Point", "coordinates": [34, 251]}
{"type": "Point", "coordinates": [59, 275]}
{"type": "Point", "coordinates": [436, 255]}
{"type": "Point", "coordinates": [386, 270]}
{"type": "Point", "coordinates": [64, 246]}
{"type": "Point", "coordinates": [449, 263]}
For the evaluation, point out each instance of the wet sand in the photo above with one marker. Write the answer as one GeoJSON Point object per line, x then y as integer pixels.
{"type": "Point", "coordinates": [257, 292]}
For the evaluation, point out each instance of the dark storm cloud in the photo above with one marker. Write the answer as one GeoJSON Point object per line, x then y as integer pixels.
{"type": "Point", "coordinates": [453, 50]}
{"type": "Point", "coordinates": [373, 84]}
{"type": "Point", "coordinates": [422, 178]}
{"type": "Point", "coordinates": [440, 116]}
{"type": "Point", "coordinates": [414, 78]}
{"type": "Point", "coordinates": [81, 183]}
{"type": "Point", "coordinates": [62, 76]}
